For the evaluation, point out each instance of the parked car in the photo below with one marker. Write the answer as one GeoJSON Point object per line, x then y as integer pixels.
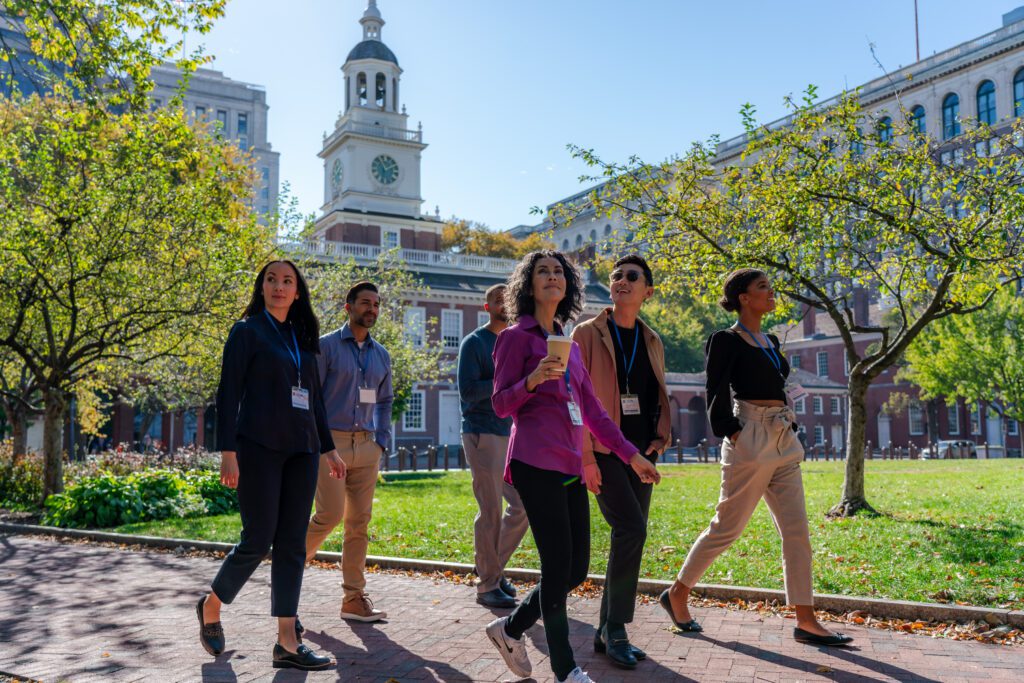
{"type": "Point", "coordinates": [953, 446]}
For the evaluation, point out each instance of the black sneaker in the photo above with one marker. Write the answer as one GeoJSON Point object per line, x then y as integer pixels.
{"type": "Point", "coordinates": [303, 658]}
{"type": "Point", "coordinates": [211, 635]}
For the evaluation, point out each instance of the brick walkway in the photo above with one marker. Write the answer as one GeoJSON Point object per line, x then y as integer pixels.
{"type": "Point", "coordinates": [81, 612]}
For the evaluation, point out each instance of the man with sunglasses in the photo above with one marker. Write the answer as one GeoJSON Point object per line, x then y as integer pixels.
{"type": "Point", "coordinates": [626, 361]}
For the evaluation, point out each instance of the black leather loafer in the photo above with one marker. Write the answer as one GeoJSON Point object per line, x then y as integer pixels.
{"type": "Point", "coordinates": [618, 650]}
{"type": "Point", "coordinates": [303, 658]}
{"type": "Point", "coordinates": [496, 598]}
{"type": "Point", "coordinates": [211, 635]}
{"type": "Point", "coordinates": [506, 586]}
{"type": "Point", "coordinates": [808, 638]}
{"type": "Point", "coordinates": [599, 647]}
{"type": "Point", "coordinates": [690, 626]}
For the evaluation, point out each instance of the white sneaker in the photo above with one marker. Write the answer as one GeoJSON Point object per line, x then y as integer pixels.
{"type": "Point", "coordinates": [513, 650]}
{"type": "Point", "coordinates": [578, 675]}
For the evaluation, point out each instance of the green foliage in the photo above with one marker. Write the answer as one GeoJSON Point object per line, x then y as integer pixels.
{"type": "Point", "coordinates": [109, 500]}
{"type": "Point", "coordinates": [465, 237]}
{"type": "Point", "coordinates": [21, 479]}
{"type": "Point", "coordinates": [977, 357]}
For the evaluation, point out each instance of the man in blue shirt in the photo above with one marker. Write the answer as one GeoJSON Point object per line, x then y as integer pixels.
{"type": "Point", "coordinates": [355, 372]}
{"type": "Point", "coordinates": [485, 438]}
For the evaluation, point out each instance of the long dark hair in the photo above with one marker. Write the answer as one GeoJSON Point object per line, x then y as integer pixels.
{"type": "Point", "coordinates": [519, 295]}
{"type": "Point", "coordinates": [300, 314]}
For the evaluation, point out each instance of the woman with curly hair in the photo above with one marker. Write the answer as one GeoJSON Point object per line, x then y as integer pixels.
{"type": "Point", "coordinates": [549, 405]}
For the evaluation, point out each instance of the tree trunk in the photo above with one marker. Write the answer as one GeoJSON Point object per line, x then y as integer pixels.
{"type": "Point", "coordinates": [19, 429]}
{"type": "Point", "coordinates": [853, 500]}
{"type": "Point", "coordinates": [53, 443]}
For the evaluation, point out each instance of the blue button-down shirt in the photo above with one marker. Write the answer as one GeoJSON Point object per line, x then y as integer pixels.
{"type": "Point", "coordinates": [344, 369]}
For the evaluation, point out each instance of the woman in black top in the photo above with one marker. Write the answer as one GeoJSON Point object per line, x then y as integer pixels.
{"type": "Point", "coordinates": [761, 455]}
{"type": "Point", "coordinates": [271, 430]}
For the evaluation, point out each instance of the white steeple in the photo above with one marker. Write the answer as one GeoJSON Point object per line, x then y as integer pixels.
{"type": "Point", "coordinates": [372, 22]}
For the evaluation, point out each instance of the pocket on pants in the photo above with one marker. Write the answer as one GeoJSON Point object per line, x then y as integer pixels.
{"type": "Point", "coordinates": [734, 452]}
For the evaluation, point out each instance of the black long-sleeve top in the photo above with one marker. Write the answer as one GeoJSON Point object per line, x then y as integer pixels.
{"type": "Point", "coordinates": [732, 363]}
{"type": "Point", "coordinates": [254, 399]}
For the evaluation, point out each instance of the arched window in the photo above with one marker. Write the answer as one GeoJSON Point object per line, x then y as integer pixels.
{"type": "Point", "coordinates": [361, 89]}
{"type": "Point", "coordinates": [593, 236]}
{"type": "Point", "coordinates": [987, 103]}
{"type": "Point", "coordinates": [885, 130]}
{"type": "Point", "coordinates": [608, 230]}
{"type": "Point", "coordinates": [381, 92]}
{"type": "Point", "coordinates": [348, 92]}
{"type": "Point", "coordinates": [950, 116]}
{"type": "Point", "coordinates": [857, 143]}
{"type": "Point", "coordinates": [917, 119]}
{"type": "Point", "coordinates": [1018, 93]}
{"type": "Point", "coordinates": [394, 94]}
{"type": "Point", "coordinates": [579, 241]}
{"type": "Point", "coordinates": [565, 245]}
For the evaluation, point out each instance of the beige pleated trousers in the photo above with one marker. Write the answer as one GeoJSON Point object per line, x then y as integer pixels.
{"type": "Point", "coordinates": [763, 463]}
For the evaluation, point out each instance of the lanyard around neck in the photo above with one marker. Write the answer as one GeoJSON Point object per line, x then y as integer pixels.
{"type": "Point", "coordinates": [769, 351]}
{"type": "Point", "coordinates": [632, 357]}
{"type": "Point", "coordinates": [294, 354]}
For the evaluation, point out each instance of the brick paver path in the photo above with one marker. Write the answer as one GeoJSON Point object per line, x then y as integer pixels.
{"type": "Point", "coordinates": [82, 612]}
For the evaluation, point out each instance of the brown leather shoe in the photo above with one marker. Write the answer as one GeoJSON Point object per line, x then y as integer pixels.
{"type": "Point", "coordinates": [360, 608]}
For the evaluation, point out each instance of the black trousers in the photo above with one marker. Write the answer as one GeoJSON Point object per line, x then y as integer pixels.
{"type": "Point", "coordinates": [624, 501]}
{"type": "Point", "coordinates": [275, 494]}
{"type": "Point", "coordinates": [559, 512]}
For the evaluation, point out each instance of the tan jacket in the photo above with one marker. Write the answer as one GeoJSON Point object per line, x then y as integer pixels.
{"type": "Point", "coordinates": [598, 351]}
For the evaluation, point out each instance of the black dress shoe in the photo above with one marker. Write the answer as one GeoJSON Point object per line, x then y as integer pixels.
{"type": "Point", "coordinates": [690, 626]}
{"type": "Point", "coordinates": [506, 586]}
{"type": "Point", "coordinates": [496, 598]}
{"type": "Point", "coordinates": [303, 658]}
{"type": "Point", "coordinates": [808, 638]}
{"type": "Point", "coordinates": [599, 647]}
{"type": "Point", "coordinates": [618, 649]}
{"type": "Point", "coordinates": [211, 635]}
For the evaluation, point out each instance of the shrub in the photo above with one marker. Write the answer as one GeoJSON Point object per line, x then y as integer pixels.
{"type": "Point", "coordinates": [21, 479]}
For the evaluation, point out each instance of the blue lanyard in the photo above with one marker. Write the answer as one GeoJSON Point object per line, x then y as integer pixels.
{"type": "Point", "coordinates": [568, 384]}
{"type": "Point", "coordinates": [632, 358]}
{"type": "Point", "coordinates": [297, 355]}
{"type": "Point", "coordinates": [769, 351]}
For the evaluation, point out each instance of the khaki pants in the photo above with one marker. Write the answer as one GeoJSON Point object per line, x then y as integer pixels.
{"type": "Point", "coordinates": [495, 536]}
{"type": "Point", "coordinates": [349, 499]}
{"type": "Point", "coordinates": [763, 463]}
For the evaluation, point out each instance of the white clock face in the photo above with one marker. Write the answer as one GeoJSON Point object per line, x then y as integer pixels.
{"type": "Point", "coordinates": [337, 173]}
{"type": "Point", "coordinates": [384, 170]}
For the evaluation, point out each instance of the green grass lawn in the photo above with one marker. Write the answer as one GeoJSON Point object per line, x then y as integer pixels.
{"type": "Point", "coordinates": [950, 530]}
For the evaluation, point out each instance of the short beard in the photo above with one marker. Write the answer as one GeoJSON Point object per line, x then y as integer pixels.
{"type": "Point", "coordinates": [361, 321]}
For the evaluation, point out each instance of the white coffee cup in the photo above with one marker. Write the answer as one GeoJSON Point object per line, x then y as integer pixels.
{"type": "Point", "coordinates": [560, 347]}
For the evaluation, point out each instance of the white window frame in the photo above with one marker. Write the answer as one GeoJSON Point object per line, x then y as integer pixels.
{"type": "Point", "coordinates": [835, 405]}
{"type": "Point", "coordinates": [1012, 427]}
{"type": "Point", "coordinates": [953, 420]}
{"type": "Point", "coordinates": [451, 328]}
{"type": "Point", "coordinates": [819, 405]}
{"type": "Point", "coordinates": [407, 426]}
{"type": "Point", "coordinates": [800, 405]}
{"type": "Point", "coordinates": [915, 420]}
{"type": "Point", "coordinates": [415, 320]}
{"type": "Point", "coordinates": [819, 435]}
{"type": "Point", "coordinates": [390, 238]}
{"type": "Point", "coordinates": [846, 365]}
{"type": "Point", "coordinates": [483, 318]}
{"type": "Point", "coordinates": [821, 359]}
{"type": "Point", "coordinates": [795, 361]}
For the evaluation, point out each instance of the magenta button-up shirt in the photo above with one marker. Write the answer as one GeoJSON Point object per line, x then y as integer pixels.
{"type": "Point", "coordinates": [543, 434]}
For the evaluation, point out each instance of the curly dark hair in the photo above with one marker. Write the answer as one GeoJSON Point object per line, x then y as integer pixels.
{"type": "Point", "coordinates": [300, 314]}
{"type": "Point", "coordinates": [737, 282]}
{"type": "Point", "coordinates": [519, 295]}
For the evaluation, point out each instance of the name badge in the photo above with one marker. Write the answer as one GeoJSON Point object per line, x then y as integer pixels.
{"type": "Point", "coordinates": [794, 391]}
{"type": "Point", "coordinates": [574, 414]}
{"type": "Point", "coordinates": [300, 398]}
{"type": "Point", "coordinates": [630, 404]}
{"type": "Point", "coordinates": [367, 395]}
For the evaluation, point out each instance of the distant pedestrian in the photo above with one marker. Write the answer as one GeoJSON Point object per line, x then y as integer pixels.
{"type": "Point", "coordinates": [270, 429]}
{"type": "Point", "coordinates": [550, 399]}
{"type": "Point", "coordinates": [747, 391]}
{"type": "Point", "coordinates": [485, 439]}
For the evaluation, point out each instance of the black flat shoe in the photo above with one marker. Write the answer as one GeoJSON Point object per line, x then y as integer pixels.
{"type": "Point", "coordinates": [618, 650]}
{"type": "Point", "coordinates": [303, 658]}
{"type": "Point", "coordinates": [496, 598]}
{"type": "Point", "coordinates": [211, 636]}
{"type": "Point", "coordinates": [599, 648]}
{"type": "Point", "coordinates": [690, 626]}
{"type": "Point", "coordinates": [506, 586]}
{"type": "Point", "coordinates": [808, 638]}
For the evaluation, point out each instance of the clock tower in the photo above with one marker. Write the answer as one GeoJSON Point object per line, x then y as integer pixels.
{"type": "Point", "coordinates": [372, 159]}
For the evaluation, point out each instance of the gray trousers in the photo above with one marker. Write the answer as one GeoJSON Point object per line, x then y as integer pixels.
{"type": "Point", "coordinates": [495, 535]}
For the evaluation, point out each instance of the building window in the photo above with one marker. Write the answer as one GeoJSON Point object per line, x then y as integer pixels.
{"type": "Point", "coordinates": [836, 405]}
{"type": "Point", "coordinates": [819, 435]}
{"type": "Point", "coordinates": [885, 130]}
{"type": "Point", "coordinates": [413, 417]}
{"type": "Point", "coordinates": [415, 323]}
{"type": "Point", "coordinates": [361, 94]}
{"type": "Point", "coordinates": [794, 361]}
{"type": "Point", "coordinates": [348, 93]}
{"type": "Point", "coordinates": [381, 91]}
{"type": "Point", "coordinates": [953, 418]}
{"type": "Point", "coordinates": [394, 94]}
{"type": "Point", "coordinates": [819, 405]}
{"type": "Point", "coordinates": [846, 365]}
{"type": "Point", "coordinates": [451, 328]}
{"type": "Point", "coordinates": [917, 119]}
{"type": "Point", "coordinates": [950, 116]}
{"type": "Point", "coordinates": [389, 239]}
{"type": "Point", "coordinates": [565, 245]}
{"type": "Point", "coordinates": [222, 122]}
{"type": "Point", "coordinates": [822, 364]}
{"type": "Point", "coordinates": [1012, 428]}
{"type": "Point", "coordinates": [200, 111]}
{"type": "Point", "coordinates": [593, 236]}
{"type": "Point", "coordinates": [608, 231]}
{"type": "Point", "coordinates": [976, 419]}
{"type": "Point", "coordinates": [157, 103]}
{"type": "Point", "coordinates": [579, 241]}
{"type": "Point", "coordinates": [800, 406]}
{"type": "Point", "coordinates": [857, 143]}
{"type": "Point", "coordinates": [987, 103]}
{"type": "Point", "coordinates": [1018, 93]}
{"type": "Point", "coordinates": [483, 318]}
{"type": "Point", "coordinates": [915, 416]}
{"type": "Point", "coordinates": [242, 130]}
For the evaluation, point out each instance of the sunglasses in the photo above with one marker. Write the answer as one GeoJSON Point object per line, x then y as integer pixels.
{"type": "Point", "coordinates": [630, 275]}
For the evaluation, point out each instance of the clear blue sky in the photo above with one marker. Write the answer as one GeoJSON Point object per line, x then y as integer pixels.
{"type": "Point", "coordinates": [502, 86]}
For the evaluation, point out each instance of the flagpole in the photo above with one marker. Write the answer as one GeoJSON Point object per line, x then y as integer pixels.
{"type": "Point", "coordinates": [917, 34]}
